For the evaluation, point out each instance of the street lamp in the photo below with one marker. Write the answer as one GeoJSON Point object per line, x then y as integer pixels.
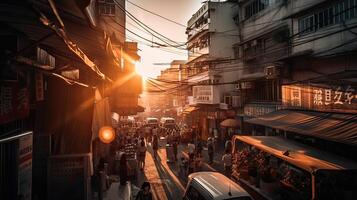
{"type": "Point", "coordinates": [106, 134]}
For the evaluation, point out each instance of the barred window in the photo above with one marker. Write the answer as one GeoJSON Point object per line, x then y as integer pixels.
{"type": "Point", "coordinates": [339, 12]}
{"type": "Point", "coordinates": [255, 7]}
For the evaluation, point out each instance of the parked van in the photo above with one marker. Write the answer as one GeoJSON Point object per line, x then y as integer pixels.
{"type": "Point", "coordinates": [213, 185]}
{"type": "Point", "coordinates": [152, 121]}
{"type": "Point", "coordinates": [167, 122]}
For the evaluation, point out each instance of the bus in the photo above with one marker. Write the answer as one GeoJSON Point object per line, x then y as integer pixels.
{"type": "Point", "coordinates": [278, 168]}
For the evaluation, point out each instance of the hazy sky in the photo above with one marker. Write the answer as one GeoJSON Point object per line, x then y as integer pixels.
{"type": "Point", "coordinates": [177, 10]}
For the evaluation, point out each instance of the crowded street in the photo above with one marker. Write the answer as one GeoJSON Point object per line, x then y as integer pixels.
{"type": "Point", "coordinates": [178, 99]}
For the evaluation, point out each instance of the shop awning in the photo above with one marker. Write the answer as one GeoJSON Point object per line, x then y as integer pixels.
{"type": "Point", "coordinates": [189, 110]}
{"type": "Point", "coordinates": [230, 123]}
{"type": "Point", "coordinates": [330, 126]}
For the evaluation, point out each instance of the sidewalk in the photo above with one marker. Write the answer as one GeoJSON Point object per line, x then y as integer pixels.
{"type": "Point", "coordinates": [120, 192]}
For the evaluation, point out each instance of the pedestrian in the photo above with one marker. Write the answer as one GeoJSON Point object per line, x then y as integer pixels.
{"type": "Point", "coordinates": [183, 166]}
{"type": "Point", "coordinates": [199, 147]}
{"type": "Point", "coordinates": [227, 162]}
{"type": "Point", "coordinates": [228, 146]}
{"type": "Point", "coordinates": [141, 154]}
{"type": "Point", "coordinates": [174, 145]}
{"type": "Point", "coordinates": [123, 169]}
{"type": "Point", "coordinates": [155, 144]}
{"type": "Point", "coordinates": [145, 192]}
{"type": "Point", "coordinates": [210, 150]}
{"type": "Point", "coordinates": [191, 149]}
{"type": "Point", "coordinates": [198, 162]}
{"type": "Point", "coordinates": [191, 165]}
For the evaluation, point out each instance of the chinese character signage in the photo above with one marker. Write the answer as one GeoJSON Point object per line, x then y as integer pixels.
{"type": "Point", "coordinates": [324, 98]}
{"type": "Point", "coordinates": [205, 94]}
{"type": "Point", "coordinates": [14, 101]}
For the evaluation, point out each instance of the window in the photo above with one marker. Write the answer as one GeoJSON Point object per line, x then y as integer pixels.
{"type": "Point", "coordinates": [255, 7]}
{"type": "Point", "coordinates": [306, 24]}
{"type": "Point", "coordinates": [107, 9]}
{"type": "Point", "coordinates": [339, 12]}
{"type": "Point", "coordinates": [193, 194]}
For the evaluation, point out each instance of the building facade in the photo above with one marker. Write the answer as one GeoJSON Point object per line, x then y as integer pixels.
{"type": "Point", "coordinates": [59, 63]}
{"type": "Point", "coordinates": [211, 32]}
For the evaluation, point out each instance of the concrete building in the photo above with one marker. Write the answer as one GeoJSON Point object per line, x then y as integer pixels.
{"type": "Point", "coordinates": [264, 34]}
{"type": "Point", "coordinates": [169, 91]}
{"type": "Point", "coordinates": [211, 32]}
{"type": "Point", "coordinates": [309, 71]}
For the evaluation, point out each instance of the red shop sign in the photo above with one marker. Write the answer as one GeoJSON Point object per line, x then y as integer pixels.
{"type": "Point", "coordinates": [14, 101]}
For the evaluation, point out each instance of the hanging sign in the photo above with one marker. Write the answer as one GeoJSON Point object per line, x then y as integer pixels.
{"type": "Point", "coordinates": [14, 101]}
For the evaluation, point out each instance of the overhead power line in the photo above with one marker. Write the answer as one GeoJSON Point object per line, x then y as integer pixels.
{"type": "Point", "coordinates": [158, 15]}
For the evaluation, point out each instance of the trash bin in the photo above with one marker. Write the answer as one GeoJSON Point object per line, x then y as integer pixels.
{"type": "Point", "coordinates": [170, 153]}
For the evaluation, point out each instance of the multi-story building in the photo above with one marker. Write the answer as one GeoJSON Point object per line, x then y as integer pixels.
{"type": "Point", "coordinates": [314, 71]}
{"type": "Point", "coordinates": [58, 65]}
{"type": "Point", "coordinates": [264, 43]}
{"type": "Point", "coordinates": [169, 97]}
{"type": "Point", "coordinates": [211, 32]}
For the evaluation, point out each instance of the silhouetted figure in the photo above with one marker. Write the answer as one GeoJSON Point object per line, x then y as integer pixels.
{"type": "Point", "coordinates": [145, 192]}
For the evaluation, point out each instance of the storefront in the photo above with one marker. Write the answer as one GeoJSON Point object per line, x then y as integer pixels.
{"type": "Point", "coordinates": [318, 115]}
{"type": "Point", "coordinates": [16, 166]}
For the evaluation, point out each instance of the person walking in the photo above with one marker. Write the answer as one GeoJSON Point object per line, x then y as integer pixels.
{"type": "Point", "coordinates": [199, 147]}
{"type": "Point", "coordinates": [227, 162]}
{"type": "Point", "coordinates": [142, 154]}
{"type": "Point", "coordinates": [155, 145]}
{"type": "Point", "coordinates": [123, 169]}
{"type": "Point", "coordinates": [174, 145]}
{"type": "Point", "coordinates": [145, 192]}
{"type": "Point", "coordinates": [210, 150]}
{"type": "Point", "coordinates": [191, 149]}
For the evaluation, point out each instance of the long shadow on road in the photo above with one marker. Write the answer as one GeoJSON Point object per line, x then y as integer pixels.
{"type": "Point", "coordinates": [173, 185]}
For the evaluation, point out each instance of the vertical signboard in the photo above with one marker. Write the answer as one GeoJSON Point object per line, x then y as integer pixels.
{"type": "Point", "coordinates": [14, 102]}
{"type": "Point", "coordinates": [25, 167]}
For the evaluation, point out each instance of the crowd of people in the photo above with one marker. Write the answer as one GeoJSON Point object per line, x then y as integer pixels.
{"type": "Point", "coordinates": [132, 142]}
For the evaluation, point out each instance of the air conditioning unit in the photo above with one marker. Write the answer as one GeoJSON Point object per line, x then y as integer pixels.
{"type": "Point", "coordinates": [271, 72]}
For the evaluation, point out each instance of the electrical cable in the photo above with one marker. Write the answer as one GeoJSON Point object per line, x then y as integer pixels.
{"type": "Point", "coordinates": [151, 12]}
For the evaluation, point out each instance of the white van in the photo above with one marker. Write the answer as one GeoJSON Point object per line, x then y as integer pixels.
{"type": "Point", "coordinates": [212, 186]}
{"type": "Point", "coordinates": [152, 121]}
{"type": "Point", "coordinates": [167, 122]}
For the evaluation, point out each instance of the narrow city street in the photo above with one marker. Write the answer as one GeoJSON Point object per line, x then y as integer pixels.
{"type": "Point", "coordinates": [258, 99]}
{"type": "Point", "coordinates": [164, 177]}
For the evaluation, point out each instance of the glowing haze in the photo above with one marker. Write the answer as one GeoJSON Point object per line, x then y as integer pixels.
{"type": "Point", "coordinates": [177, 10]}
